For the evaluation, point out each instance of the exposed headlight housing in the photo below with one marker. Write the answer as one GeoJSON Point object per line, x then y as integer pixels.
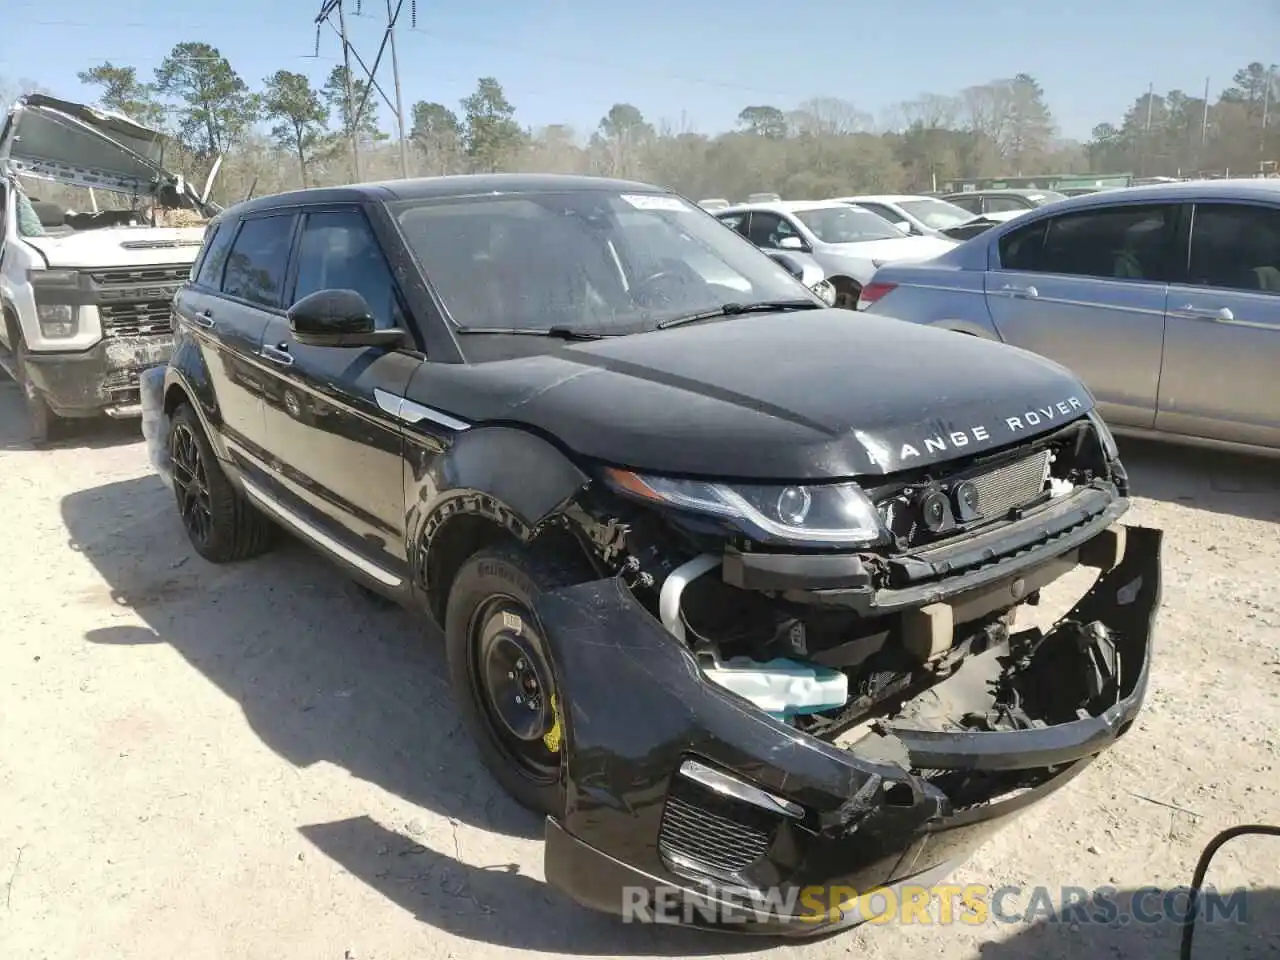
{"type": "Point", "coordinates": [61, 278]}
{"type": "Point", "coordinates": [1108, 440]}
{"type": "Point", "coordinates": [835, 514]}
{"type": "Point", "coordinates": [825, 291]}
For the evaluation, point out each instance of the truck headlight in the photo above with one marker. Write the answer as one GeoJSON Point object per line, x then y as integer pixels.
{"type": "Point", "coordinates": [829, 513]}
{"type": "Point", "coordinates": [57, 320]}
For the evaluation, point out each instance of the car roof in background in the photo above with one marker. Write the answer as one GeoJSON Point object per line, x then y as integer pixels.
{"type": "Point", "coordinates": [784, 206]}
{"type": "Point", "coordinates": [1267, 191]}
{"type": "Point", "coordinates": [884, 197]}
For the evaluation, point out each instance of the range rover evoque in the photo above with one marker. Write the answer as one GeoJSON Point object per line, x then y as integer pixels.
{"type": "Point", "coordinates": [726, 577]}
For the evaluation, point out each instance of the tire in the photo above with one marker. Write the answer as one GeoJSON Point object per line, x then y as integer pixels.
{"type": "Point", "coordinates": [43, 425]}
{"type": "Point", "coordinates": [502, 584]}
{"type": "Point", "coordinates": [221, 524]}
{"type": "Point", "coordinates": [847, 293]}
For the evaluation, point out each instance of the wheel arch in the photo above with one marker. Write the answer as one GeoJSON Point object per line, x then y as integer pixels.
{"type": "Point", "coordinates": [494, 485]}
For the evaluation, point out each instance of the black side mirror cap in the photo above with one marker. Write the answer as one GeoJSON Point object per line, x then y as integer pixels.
{"type": "Point", "coordinates": [338, 318]}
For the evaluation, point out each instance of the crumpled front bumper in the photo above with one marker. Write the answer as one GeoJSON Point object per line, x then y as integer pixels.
{"type": "Point", "coordinates": [102, 379]}
{"type": "Point", "coordinates": [783, 819]}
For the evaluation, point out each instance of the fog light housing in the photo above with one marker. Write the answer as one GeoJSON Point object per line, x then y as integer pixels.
{"type": "Point", "coordinates": [57, 320]}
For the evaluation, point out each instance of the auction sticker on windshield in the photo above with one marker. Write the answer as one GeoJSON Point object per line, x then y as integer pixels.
{"type": "Point", "coordinates": [650, 201]}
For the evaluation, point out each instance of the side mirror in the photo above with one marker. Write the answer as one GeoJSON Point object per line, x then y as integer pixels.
{"type": "Point", "coordinates": [338, 318]}
{"type": "Point", "coordinates": [905, 226]}
{"type": "Point", "coordinates": [789, 264]}
{"type": "Point", "coordinates": [791, 243]}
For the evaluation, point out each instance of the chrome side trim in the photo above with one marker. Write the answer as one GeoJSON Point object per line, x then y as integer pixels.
{"type": "Point", "coordinates": [309, 529]}
{"type": "Point", "coordinates": [728, 786]}
{"type": "Point", "coordinates": [411, 412]}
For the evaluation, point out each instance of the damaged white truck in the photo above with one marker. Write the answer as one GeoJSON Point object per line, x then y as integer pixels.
{"type": "Point", "coordinates": [87, 293]}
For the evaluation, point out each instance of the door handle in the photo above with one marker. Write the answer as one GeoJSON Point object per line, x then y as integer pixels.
{"type": "Point", "coordinates": [278, 355]}
{"type": "Point", "coordinates": [1015, 291]}
{"type": "Point", "coordinates": [1222, 315]}
{"type": "Point", "coordinates": [203, 318]}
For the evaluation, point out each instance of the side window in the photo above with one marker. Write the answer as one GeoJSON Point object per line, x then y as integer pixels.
{"type": "Point", "coordinates": [735, 221]}
{"type": "Point", "coordinates": [1006, 205]}
{"type": "Point", "coordinates": [1114, 243]}
{"type": "Point", "coordinates": [217, 243]}
{"type": "Point", "coordinates": [966, 202]}
{"type": "Point", "coordinates": [1235, 246]}
{"type": "Point", "coordinates": [339, 251]}
{"type": "Point", "coordinates": [1023, 249]}
{"type": "Point", "coordinates": [257, 260]}
{"type": "Point", "coordinates": [882, 212]}
{"type": "Point", "coordinates": [768, 229]}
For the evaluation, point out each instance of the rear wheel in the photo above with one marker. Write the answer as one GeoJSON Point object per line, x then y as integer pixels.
{"type": "Point", "coordinates": [502, 671]}
{"type": "Point", "coordinates": [220, 523]}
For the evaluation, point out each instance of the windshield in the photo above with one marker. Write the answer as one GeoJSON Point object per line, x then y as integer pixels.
{"type": "Point", "coordinates": [846, 224]}
{"type": "Point", "coordinates": [936, 213]}
{"type": "Point", "coordinates": [590, 261]}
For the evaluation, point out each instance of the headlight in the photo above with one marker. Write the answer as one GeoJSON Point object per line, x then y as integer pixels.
{"type": "Point", "coordinates": [825, 291]}
{"type": "Point", "coordinates": [57, 320]}
{"type": "Point", "coordinates": [61, 278]}
{"type": "Point", "coordinates": [1105, 436]}
{"type": "Point", "coordinates": [823, 513]}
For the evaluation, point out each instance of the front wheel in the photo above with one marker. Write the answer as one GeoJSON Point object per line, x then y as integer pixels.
{"type": "Point", "coordinates": [502, 671]}
{"type": "Point", "coordinates": [42, 423]}
{"type": "Point", "coordinates": [847, 293]}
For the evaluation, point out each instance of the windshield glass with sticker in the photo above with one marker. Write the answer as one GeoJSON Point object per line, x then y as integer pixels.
{"type": "Point", "coordinates": [590, 261]}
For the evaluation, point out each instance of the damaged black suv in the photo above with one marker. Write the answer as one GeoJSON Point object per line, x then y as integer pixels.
{"type": "Point", "coordinates": [726, 578]}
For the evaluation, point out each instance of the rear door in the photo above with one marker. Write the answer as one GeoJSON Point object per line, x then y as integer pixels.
{"type": "Point", "coordinates": [1222, 347]}
{"type": "Point", "coordinates": [226, 308]}
{"type": "Point", "coordinates": [331, 417]}
{"type": "Point", "coordinates": [1087, 289]}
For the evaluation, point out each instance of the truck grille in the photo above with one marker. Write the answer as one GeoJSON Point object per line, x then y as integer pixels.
{"type": "Point", "coordinates": [136, 319]}
{"type": "Point", "coordinates": [1011, 485]}
{"type": "Point", "coordinates": [171, 273]}
{"type": "Point", "coordinates": [714, 834]}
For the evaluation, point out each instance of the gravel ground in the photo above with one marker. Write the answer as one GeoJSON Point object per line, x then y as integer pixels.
{"type": "Point", "coordinates": [261, 761]}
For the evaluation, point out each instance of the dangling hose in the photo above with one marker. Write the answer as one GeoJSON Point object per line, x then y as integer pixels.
{"type": "Point", "coordinates": [1202, 867]}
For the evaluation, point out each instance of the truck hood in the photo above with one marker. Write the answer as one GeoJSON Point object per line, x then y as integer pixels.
{"type": "Point", "coordinates": [120, 246]}
{"type": "Point", "coordinates": [894, 249]}
{"type": "Point", "coordinates": [823, 394]}
{"type": "Point", "coordinates": [50, 139]}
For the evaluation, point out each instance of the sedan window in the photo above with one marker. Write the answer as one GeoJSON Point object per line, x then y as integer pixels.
{"type": "Point", "coordinates": [1132, 242]}
{"type": "Point", "coordinates": [1235, 246]}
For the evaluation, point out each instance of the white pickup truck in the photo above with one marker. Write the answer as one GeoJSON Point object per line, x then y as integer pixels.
{"type": "Point", "coordinates": [86, 295]}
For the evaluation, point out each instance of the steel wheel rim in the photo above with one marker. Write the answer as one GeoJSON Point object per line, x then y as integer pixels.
{"type": "Point", "coordinates": [191, 484]}
{"type": "Point", "coordinates": [506, 663]}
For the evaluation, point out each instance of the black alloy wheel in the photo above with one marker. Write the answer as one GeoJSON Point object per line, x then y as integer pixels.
{"type": "Point", "coordinates": [191, 484]}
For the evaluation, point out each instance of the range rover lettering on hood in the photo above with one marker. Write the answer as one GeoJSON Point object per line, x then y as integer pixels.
{"type": "Point", "coordinates": [883, 454]}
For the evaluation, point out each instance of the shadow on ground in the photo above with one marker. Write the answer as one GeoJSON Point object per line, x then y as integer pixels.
{"type": "Point", "coordinates": [83, 434]}
{"type": "Point", "coordinates": [1244, 925]}
{"type": "Point", "coordinates": [1246, 487]}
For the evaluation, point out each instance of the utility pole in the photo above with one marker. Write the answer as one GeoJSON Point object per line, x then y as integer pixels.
{"type": "Point", "coordinates": [356, 111]}
{"type": "Point", "coordinates": [395, 73]}
{"type": "Point", "coordinates": [346, 83]}
{"type": "Point", "coordinates": [1266, 111]}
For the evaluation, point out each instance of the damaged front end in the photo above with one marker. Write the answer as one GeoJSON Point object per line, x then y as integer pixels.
{"type": "Point", "coordinates": [769, 750]}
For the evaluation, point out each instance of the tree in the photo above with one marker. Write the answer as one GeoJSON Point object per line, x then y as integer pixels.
{"type": "Point", "coordinates": [490, 133]}
{"type": "Point", "coordinates": [214, 105]}
{"type": "Point", "coordinates": [1028, 128]}
{"type": "Point", "coordinates": [334, 94]}
{"type": "Point", "coordinates": [124, 93]}
{"type": "Point", "coordinates": [622, 131]}
{"type": "Point", "coordinates": [437, 134]}
{"type": "Point", "coordinates": [764, 121]}
{"type": "Point", "coordinates": [290, 98]}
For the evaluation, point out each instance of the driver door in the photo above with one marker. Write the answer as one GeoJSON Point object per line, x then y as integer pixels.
{"type": "Point", "coordinates": [337, 446]}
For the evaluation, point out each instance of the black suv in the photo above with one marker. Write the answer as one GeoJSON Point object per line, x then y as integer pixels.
{"type": "Point", "coordinates": [726, 577]}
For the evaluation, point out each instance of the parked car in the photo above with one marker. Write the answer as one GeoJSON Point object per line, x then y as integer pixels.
{"type": "Point", "coordinates": [1165, 299]}
{"type": "Point", "coordinates": [980, 224]}
{"type": "Point", "coordinates": [1003, 200]}
{"type": "Point", "coordinates": [85, 295]}
{"type": "Point", "coordinates": [849, 243]}
{"type": "Point", "coordinates": [681, 536]}
{"type": "Point", "coordinates": [763, 198]}
{"type": "Point", "coordinates": [712, 204]}
{"type": "Point", "coordinates": [918, 215]}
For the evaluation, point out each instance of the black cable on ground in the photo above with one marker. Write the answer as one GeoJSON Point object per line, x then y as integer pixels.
{"type": "Point", "coordinates": [1202, 867]}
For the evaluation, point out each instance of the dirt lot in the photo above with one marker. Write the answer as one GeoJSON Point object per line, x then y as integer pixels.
{"type": "Point", "coordinates": [260, 761]}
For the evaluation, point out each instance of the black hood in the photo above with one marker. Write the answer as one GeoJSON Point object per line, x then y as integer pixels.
{"type": "Point", "coordinates": [822, 394]}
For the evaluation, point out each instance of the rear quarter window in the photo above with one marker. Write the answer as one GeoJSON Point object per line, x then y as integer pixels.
{"type": "Point", "coordinates": [217, 241]}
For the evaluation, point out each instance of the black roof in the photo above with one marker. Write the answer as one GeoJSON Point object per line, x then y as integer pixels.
{"type": "Point", "coordinates": [460, 185]}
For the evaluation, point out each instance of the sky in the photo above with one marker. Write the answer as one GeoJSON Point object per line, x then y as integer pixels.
{"type": "Point", "coordinates": [693, 63]}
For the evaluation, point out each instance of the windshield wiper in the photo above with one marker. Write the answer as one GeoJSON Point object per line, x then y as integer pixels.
{"type": "Point", "coordinates": [560, 333]}
{"type": "Point", "coordinates": [734, 309]}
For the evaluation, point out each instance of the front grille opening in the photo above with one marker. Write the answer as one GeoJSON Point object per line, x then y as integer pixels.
{"type": "Point", "coordinates": [712, 834]}
{"type": "Point", "coordinates": [136, 319]}
{"type": "Point", "coordinates": [127, 276]}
